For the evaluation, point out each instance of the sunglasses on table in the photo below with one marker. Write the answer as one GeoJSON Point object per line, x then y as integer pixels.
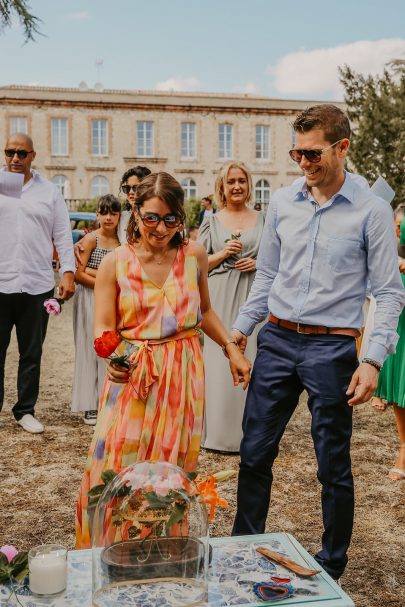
{"type": "Point", "coordinates": [311, 155]}
{"type": "Point", "coordinates": [151, 220]}
{"type": "Point", "coordinates": [127, 188]}
{"type": "Point", "coordinates": [22, 154]}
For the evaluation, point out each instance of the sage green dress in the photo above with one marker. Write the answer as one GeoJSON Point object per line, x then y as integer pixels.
{"type": "Point", "coordinates": [229, 289]}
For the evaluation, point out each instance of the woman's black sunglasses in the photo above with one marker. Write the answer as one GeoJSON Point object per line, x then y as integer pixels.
{"type": "Point", "coordinates": [127, 188]}
{"type": "Point", "coordinates": [151, 220]}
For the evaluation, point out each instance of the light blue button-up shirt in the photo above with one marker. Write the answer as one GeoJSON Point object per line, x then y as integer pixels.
{"type": "Point", "coordinates": [314, 262]}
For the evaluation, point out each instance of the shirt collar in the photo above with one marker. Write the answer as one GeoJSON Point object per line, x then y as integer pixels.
{"type": "Point", "coordinates": [301, 191]}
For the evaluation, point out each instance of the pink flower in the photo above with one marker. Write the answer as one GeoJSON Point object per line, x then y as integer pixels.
{"type": "Point", "coordinates": [9, 551]}
{"type": "Point", "coordinates": [162, 487]}
{"type": "Point", "coordinates": [52, 306]}
{"type": "Point", "coordinates": [176, 481]}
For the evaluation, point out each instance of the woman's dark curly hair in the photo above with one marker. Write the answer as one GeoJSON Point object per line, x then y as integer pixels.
{"type": "Point", "coordinates": [167, 188]}
{"type": "Point", "coordinates": [137, 171]}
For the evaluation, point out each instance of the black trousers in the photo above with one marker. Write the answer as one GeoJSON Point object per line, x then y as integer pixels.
{"type": "Point", "coordinates": [28, 315]}
{"type": "Point", "coordinates": [286, 364]}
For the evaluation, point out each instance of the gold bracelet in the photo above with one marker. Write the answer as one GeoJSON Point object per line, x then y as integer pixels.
{"type": "Point", "coordinates": [229, 341]}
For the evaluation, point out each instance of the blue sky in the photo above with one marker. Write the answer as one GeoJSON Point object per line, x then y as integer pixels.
{"type": "Point", "coordinates": [284, 48]}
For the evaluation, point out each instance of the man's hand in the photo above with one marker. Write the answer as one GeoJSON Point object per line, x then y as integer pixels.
{"type": "Point", "coordinates": [363, 384]}
{"type": "Point", "coordinates": [246, 264]}
{"type": "Point", "coordinates": [67, 286]}
{"type": "Point", "coordinates": [240, 339]}
{"type": "Point", "coordinates": [78, 250]}
{"type": "Point", "coordinates": [402, 266]}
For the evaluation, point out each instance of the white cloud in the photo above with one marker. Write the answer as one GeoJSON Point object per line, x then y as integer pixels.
{"type": "Point", "coordinates": [315, 73]}
{"type": "Point", "coordinates": [80, 16]}
{"type": "Point", "coordinates": [249, 87]}
{"type": "Point", "coordinates": [179, 83]}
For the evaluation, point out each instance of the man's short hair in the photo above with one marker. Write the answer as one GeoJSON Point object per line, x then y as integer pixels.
{"type": "Point", "coordinates": [334, 123]}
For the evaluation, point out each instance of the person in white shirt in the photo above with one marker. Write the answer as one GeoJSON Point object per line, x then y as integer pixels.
{"type": "Point", "coordinates": [27, 228]}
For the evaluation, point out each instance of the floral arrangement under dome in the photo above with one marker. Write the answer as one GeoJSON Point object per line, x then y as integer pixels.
{"type": "Point", "coordinates": [150, 528]}
{"type": "Point", "coordinates": [149, 502]}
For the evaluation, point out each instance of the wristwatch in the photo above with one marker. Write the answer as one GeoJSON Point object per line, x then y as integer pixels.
{"type": "Point", "coordinates": [373, 363]}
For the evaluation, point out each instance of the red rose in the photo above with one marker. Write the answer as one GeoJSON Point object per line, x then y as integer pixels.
{"type": "Point", "coordinates": [107, 343]}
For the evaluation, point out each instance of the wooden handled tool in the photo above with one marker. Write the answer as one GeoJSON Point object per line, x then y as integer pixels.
{"type": "Point", "coordinates": [286, 562]}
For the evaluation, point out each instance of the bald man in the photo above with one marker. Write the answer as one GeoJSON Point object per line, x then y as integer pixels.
{"type": "Point", "coordinates": [26, 275]}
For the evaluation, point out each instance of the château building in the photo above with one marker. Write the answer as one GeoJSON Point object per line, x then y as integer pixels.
{"type": "Point", "coordinates": [86, 138]}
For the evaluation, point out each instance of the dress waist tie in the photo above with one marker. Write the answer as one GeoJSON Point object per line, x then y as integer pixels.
{"type": "Point", "coordinates": [142, 371]}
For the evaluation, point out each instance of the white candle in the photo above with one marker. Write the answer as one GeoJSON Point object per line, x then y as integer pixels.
{"type": "Point", "coordinates": [48, 573]}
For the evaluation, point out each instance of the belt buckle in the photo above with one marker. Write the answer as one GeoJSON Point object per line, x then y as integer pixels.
{"type": "Point", "coordinates": [298, 329]}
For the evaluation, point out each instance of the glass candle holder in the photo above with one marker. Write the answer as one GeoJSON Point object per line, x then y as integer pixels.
{"type": "Point", "coordinates": [47, 569]}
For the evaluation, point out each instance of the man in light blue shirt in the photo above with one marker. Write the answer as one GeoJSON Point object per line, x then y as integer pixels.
{"type": "Point", "coordinates": [324, 237]}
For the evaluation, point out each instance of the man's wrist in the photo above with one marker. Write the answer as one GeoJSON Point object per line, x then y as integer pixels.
{"type": "Point", "coordinates": [238, 330]}
{"type": "Point", "coordinates": [373, 363]}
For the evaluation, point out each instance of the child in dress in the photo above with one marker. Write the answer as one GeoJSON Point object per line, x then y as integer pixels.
{"type": "Point", "coordinates": [89, 370]}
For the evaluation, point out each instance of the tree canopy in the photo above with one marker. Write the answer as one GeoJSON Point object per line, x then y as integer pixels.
{"type": "Point", "coordinates": [20, 9]}
{"type": "Point", "coordinates": [376, 109]}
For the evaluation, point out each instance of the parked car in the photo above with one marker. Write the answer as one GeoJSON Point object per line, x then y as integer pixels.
{"type": "Point", "coordinates": [81, 222]}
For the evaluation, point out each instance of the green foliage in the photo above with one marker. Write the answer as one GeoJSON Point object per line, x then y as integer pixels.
{"type": "Point", "coordinates": [88, 206]}
{"type": "Point", "coordinates": [21, 9]}
{"type": "Point", "coordinates": [17, 569]}
{"type": "Point", "coordinates": [192, 208]}
{"type": "Point", "coordinates": [376, 109]}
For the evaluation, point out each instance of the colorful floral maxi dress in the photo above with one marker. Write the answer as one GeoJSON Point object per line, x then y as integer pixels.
{"type": "Point", "coordinates": [158, 415]}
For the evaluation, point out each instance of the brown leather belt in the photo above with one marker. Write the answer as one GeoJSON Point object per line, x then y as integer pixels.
{"type": "Point", "coordinates": [312, 329]}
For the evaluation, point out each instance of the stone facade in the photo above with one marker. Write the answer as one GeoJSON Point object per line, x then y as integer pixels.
{"type": "Point", "coordinates": [86, 139]}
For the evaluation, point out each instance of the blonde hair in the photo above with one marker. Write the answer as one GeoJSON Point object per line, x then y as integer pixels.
{"type": "Point", "coordinates": [223, 176]}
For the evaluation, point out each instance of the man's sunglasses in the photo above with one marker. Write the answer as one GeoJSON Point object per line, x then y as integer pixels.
{"type": "Point", "coordinates": [127, 188]}
{"type": "Point", "coordinates": [151, 220]}
{"type": "Point", "coordinates": [22, 154]}
{"type": "Point", "coordinates": [311, 155]}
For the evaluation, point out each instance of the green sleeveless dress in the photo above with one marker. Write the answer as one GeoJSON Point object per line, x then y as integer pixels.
{"type": "Point", "coordinates": [391, 381]}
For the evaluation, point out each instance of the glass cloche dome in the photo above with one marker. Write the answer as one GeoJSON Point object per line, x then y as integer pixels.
{"type": "Point", "coordinates": [150, 540]}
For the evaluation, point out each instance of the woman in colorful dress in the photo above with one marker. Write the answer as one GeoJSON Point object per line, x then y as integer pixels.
{"type": "Point", "coordinates": [391, 381]}
{"type": "Point", "coordinates": [154, 292]}
{"type": "Point", "coordinates": [231, 238]}
{"type": "Point", "coordinates": [89, 373]}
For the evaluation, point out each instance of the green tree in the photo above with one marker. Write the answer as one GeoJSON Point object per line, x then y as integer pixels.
{"type": "Point", "coordinates": [21, 10]}
{"type": "Point", "coordinates": [376, 109]}
{"type": "Point", "coordinates": [192, 209]}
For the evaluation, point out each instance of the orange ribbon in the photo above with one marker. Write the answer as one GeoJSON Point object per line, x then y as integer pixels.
{"type": "Point", "coordinates": [142, 362]}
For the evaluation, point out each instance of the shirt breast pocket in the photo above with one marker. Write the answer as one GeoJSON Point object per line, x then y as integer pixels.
{"type": "Point", "coordinates": [344, 255]}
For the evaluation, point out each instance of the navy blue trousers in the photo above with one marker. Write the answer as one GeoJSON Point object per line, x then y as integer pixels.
{"type": "Point", "coordinates": [28, 315]}
{"type": "Point", "coordinates": [285, 365]}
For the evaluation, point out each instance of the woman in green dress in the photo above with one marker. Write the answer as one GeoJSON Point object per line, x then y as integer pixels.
{"type": "Point", "coordinates": [391, 382]}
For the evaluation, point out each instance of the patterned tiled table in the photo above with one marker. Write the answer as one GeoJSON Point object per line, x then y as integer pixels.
{"type": "Point", "coordinates": [234, 569]}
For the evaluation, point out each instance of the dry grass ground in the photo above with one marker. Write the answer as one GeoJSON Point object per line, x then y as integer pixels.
{"type": "Point", "coordinates": [40, 476]}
